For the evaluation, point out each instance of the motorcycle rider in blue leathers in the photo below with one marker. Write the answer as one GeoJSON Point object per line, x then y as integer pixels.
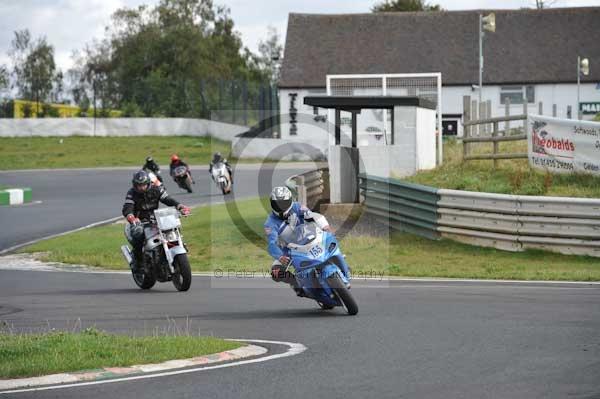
{"type": "Point", "coordinates": [283, 207]}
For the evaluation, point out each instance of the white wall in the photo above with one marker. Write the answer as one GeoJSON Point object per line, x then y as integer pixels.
{"type": "Point", "coordinates": [118, 127]}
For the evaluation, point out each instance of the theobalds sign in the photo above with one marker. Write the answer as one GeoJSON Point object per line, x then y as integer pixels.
{"type": "Point", "coordinates": [589, 108]}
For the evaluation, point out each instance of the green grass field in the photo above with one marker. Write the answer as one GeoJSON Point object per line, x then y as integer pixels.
{"type": "Point", "coordinates": [88, 152]}
{"type": "Point", "coordinates": [511, 177]}
{"type": "Point", "coordinates": [30, 355]}
{"type": "Point", "coordinates": [219, 241]}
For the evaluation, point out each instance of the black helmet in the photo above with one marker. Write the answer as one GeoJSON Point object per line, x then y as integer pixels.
{"type": "Point", "coordinates": [281, 201]}
{"type": "Point", "coordinates": [217, 157]}
{"type": "Point", "coordinates": [141, 181]}
{"type": "Point", "coordinates": [149, 159]}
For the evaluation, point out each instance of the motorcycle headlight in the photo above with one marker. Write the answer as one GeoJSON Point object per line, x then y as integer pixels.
{"type": "Point", "coordinates": [171, 236]}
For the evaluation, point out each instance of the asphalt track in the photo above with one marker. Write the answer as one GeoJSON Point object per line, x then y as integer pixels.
{"type": "Point", "coordinates": [68, 199]}
{"type": "Point", "coordinates": [414, 339]}
{"type": "Point", "coordinates": [410, 339]}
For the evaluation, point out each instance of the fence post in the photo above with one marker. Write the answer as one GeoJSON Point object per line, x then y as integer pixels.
{"type": "Point", "coordinates": [474, 114]}
{"type": "Point", "coordinates": [233, 101]}
{"type": "Point", "coordinates": [494, 134]}
{"type": "Point", "coordinates": [507, 114]}
{"type": "Point", "coordinates": [488, 113]}
{"type": "Point", "coordinates": [466, 129]}
{"type": "Point", "coordinates": [245, 101]}
{"type": "Point", "coordinates": [554, 110]}
{"type": "Point", "coordinates": [481, 116]}
{"type": "Point", "coordinates": [569, 114]}
{"type": "Point", "coordinates": [525, 113]}
{"type": "Point", "coordinates": [541, 108]}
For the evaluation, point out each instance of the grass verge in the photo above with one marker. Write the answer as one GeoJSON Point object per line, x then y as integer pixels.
{"type": "Point", "coordinates": [512, 176]}
{"type": "Point", "coordinates": [30, 355]}
{"type": "Point", "coordinates": [84, 152]}
{"type": "Point", "coordinates": [235, 243]}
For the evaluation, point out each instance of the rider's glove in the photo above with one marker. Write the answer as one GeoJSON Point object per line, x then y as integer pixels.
{"type": "Point", "coordinates": [284, 260]}
{"type": "Point", "coordinates": [185, 211]}
{"type": "Point", "coordinates": [132, 219]}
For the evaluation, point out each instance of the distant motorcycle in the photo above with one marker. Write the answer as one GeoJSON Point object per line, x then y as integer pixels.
{"type": "Point", "coordinates": [221, 177]}
{"type": "Point", "coordinates": [182, 177]}
{"type": "Point", "coordinates": [164, 253]}
{"type": "Point", "coordinates": [314, 258]}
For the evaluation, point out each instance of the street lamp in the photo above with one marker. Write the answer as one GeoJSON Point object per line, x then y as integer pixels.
{"type": "Point", "coordinates": [485, 23]}
{"type": "Point", "coordinates": [583, 67]}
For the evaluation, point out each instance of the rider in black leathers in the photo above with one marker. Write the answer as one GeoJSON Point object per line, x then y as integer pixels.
{"type": "Point", "coordinates": [141, 201]}
{"type": "Point", "coordinates": [152, 166]}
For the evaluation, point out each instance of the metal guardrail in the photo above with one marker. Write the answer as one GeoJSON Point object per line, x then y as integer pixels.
{"type": "Point", "coordinates": [311, 189]}
{"type": "Point", "coordinates": [509, 222]}
{"type": "Point", "coordinates": [400, 205]}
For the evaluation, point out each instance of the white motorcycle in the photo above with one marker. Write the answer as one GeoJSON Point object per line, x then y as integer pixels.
{"type": "Point", "coordinates": [164, 252]}
{"type": "Point", "coordinates": [221, 177]}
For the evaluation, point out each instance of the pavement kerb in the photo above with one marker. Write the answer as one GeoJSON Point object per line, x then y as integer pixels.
{"type": "Point", "coordinates": [15, 196]}
{"type": "Point", "coordinates": [117, 372]}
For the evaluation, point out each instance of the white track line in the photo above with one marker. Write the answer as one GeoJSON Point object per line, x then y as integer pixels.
{"type": "Point", "coordinates": [294, 349]}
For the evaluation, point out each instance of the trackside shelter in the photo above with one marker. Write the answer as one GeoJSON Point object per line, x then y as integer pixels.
{"type": "Point", "coordinates": [411, 147]}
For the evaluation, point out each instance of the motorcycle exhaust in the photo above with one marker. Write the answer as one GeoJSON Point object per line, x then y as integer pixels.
{"type": "Point", "coordinates": [127, 254]}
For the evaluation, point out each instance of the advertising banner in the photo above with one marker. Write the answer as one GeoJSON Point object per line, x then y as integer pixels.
{"type": "Point", "coordinates": [563, 145]}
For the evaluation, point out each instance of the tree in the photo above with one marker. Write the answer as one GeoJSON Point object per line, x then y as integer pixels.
{"type": "Point", "coordinates": [161, 59]}
{"type": "Point", "coordinates": [405, 5]}
{"type": "Point", "coordinates": [541, 4]}
{"type": "Point", "coordinates": [34, 67]}
{"type": "Point", "coordinates": [4, 78]}
{"type": "Point", "coordinates": [271, 54]}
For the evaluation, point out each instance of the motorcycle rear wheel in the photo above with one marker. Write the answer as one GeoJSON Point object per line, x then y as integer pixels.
{"type": "Point", "coordinates": [188, 184]}
{"type": "Point", "coordinates": [144, 280]}
{"type": "Point", "coordinates": [340, 289]}
{"type": "Point", "coordinates": [182, 279]}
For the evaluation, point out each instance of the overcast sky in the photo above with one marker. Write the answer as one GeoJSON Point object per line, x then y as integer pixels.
{"type": "Point", "coordinates": [70, 24]}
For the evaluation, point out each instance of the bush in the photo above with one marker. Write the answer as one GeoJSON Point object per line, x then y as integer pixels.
{"type": "Point", "coordinates": [27, 110]}
{"type": "Point", "coordinates": [132, 110]}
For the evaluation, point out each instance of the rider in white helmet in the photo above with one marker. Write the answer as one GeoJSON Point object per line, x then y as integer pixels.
{"type": "Point", "coordinates": [283, 206]}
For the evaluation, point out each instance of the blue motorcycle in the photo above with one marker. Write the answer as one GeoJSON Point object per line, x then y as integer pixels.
{"type": "Point", "coordinates": [315, 258]}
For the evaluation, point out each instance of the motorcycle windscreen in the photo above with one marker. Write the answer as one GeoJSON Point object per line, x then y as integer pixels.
{"type": "Point", "coordinates": [167, 218]}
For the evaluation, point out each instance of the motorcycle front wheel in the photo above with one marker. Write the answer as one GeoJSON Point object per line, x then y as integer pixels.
{"type": "Point", "coordinates": [340, 289]}
{"type": "Point", "coordinates": [144, 280]}
{"type": "Point", "coordinates": [182, 279]}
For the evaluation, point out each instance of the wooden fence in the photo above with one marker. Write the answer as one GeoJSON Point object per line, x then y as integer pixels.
{"type": "Point", "coordinates": [486, 129]}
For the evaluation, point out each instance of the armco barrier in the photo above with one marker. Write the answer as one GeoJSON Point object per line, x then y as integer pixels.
{"type": "Point", "coordinates": [310, 188]}
{"type": "Point", "coordinates": [403, 206]}
{"type": "Point", "coordinates": [15, 196]}
{"type": "Point", "coordinates": [509, 222]}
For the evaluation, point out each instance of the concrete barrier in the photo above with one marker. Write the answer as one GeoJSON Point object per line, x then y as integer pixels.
{"type": "Point", "coordinates": [118, 127]}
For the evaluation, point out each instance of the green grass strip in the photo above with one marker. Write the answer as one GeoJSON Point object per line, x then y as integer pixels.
{"type": "Point", "coordinates": [29, 355]}
{"type": "Point", "coordinates": [513, 176]}
{"type": "Point", "coordinates": [88, 152]}
{"type": "Point", "coordinates": [218, 240]}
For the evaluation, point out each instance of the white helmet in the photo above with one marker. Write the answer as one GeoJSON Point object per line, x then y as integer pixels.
{"type": "Point", "coordinates": [281, 201]}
